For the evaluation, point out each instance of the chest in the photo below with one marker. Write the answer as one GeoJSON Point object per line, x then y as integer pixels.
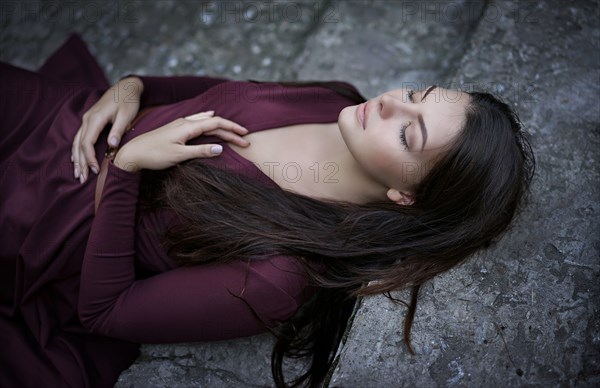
{"type": "Point", "coordinates": [294, 157]}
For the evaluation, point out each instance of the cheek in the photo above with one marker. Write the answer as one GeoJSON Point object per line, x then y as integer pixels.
{"type": "Point", "coordinates": [385, 163]}
{"type": "Point", "coordinates": [409, 173]}
{"type": "Point", "coordinates": [382, 160]}
{"type": "Point", "coordinates": [397, 167]}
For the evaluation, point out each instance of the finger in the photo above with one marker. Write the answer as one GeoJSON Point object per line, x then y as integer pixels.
{"type": "Point", "coordinates": [220, 122]}
{"type": "Point", "coordinates": [201, 115]}
{"type": "Point", "coordinates": [117, 131]}
{"type": "Point", "coordinates": [75, 154]}
{"type": "Point", "coordinates": [195, 128]}
{"type": "Point", "coordinates": [229, 136]}
{"type": "Point", "coordinates": [86, 148]}
{"type": "Point", "coordinates": [205, 150]}
{"type": "Point", "coordinates": [200, 151]}
{"type": "Point", "coordinates": [235, 127]}
{"type": "Point", "coordinates": [80, 158]}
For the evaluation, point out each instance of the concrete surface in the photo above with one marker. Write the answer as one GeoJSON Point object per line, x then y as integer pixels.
{"type": "Point", "coordinates": [523, 313]}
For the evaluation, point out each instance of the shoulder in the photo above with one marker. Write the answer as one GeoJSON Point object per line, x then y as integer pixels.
{"type": "Point", "coordinates": [332, 85]}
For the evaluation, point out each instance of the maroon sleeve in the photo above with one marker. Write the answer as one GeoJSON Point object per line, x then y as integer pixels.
{"type": "Point", "coordinates": [207, 302]}
{"type": "Point", "coordinates": [170, 89]}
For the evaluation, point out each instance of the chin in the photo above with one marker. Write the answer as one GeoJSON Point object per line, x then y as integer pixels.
{"type": "Point", "coordinates": [347, 119]}
{"type": "Point", "coordinates": [347, 125]}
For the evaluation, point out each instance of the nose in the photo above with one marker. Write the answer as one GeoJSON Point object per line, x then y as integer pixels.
{"type": "Point", "coordinates": [391, 105]}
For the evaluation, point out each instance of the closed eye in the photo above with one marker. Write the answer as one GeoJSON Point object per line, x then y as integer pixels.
{"type": "Point", "coordinates": [403, 135]}
{"type": "Point", "coordinates": [409, 95]}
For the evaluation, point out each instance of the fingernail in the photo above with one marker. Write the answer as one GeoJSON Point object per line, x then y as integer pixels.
{"type": "Point", "coordinates": [113, 141]}
{"type": "Point", "coordinates": [76, 172]}
{"type": "Point", "coordinates": [95, 170]}
{"type": "Point", "coordinates": [216, 149]}
{"type": "Point", "coordinates": [81, 178]}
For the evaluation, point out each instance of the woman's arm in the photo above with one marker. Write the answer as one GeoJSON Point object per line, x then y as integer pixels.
{"type": "Point", "coordinates": [186, 304]}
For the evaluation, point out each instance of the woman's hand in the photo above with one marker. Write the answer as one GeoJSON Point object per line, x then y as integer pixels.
{"type": "Point", "coordinates": [118, 106]}
{"type": "Point", "coordinates": [164, 147]}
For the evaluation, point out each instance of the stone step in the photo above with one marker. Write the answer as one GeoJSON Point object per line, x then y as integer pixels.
{"type": "Point", "coordinates": [522, 313]}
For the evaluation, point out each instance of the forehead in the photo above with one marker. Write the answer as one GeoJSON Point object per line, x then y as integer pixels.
{"type": "Point", "coordinates": [436, 95]}
{"type": "Point", "coordinates": [446, 104]}
{"type": "Point", "coordinates": [442, 107]}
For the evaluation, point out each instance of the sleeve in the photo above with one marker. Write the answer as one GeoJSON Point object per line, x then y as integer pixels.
{"type": "Point", "coordinates": [208, 302]}
{"type": "Point", "coordinates": [170, 89]}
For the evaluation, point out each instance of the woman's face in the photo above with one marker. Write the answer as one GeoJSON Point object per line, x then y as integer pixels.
{"type": "Point", "coordinates": [397, 135]}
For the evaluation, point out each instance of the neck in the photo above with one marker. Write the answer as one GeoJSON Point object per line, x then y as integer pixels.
{"type": "Point", "coordinates": [341, 178]}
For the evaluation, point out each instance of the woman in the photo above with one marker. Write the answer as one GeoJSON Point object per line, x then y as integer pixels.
{"type": "Point", "coordinates": [227, 208]}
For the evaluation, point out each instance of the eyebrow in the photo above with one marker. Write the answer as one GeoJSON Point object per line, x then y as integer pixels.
{"type": "Point", "coordinates": [420, 118]}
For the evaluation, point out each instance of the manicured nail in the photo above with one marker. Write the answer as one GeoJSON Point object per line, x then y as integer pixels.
{"type": "Point", "coordinates": [95, 170]}
{"type": "Point", "coordinates": [76, 172]}
{"type": "Point", "coordinates": [216, 149]}
{"type": "Point", "coordinates": [81, 178]}
{"type": "Point", "coordinates": [113, 141]}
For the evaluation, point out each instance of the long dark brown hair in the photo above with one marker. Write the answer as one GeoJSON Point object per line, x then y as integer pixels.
{"type": "Point", "coordinates": [464, 203]}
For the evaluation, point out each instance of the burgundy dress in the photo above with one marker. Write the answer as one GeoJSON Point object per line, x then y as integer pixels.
{"type": "Point", "coordinates": [73, 305]}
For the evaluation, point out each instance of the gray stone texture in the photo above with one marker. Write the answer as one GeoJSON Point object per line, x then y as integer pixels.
{"type": "Point", "coordinates": [522, 313]}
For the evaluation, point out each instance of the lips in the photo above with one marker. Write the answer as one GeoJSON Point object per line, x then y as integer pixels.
{"type": "Point", "coordinates": [361, 113]}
